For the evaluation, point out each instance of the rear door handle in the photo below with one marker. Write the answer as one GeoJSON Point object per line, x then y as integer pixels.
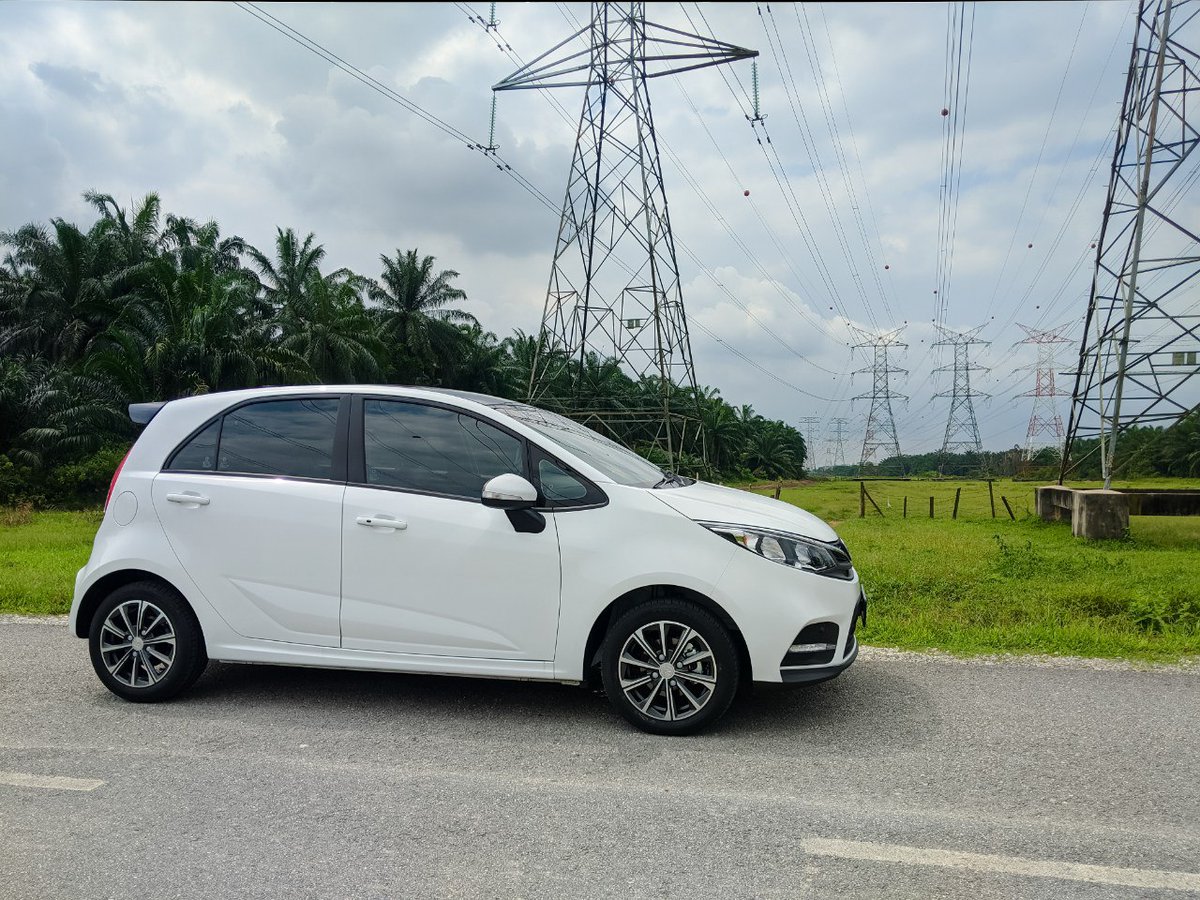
{"type": "Point", "coordinates": [188, 497]}
{"type": "Point", "coordinates": [382, 522]}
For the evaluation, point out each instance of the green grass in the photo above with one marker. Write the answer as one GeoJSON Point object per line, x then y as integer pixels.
{"type": "Point", "coordinates": [975, 585]}
{"type": "Point", "coordinates": [40, 552]}
{"type": "Point", "coordinates": [983, 585]}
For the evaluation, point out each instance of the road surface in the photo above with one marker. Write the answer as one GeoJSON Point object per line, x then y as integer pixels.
{"type": "Point", "coordinates": [910, 776]}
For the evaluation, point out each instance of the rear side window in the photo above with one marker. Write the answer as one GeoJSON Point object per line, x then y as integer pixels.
{"type": "Point", "coordinates": [200, 453]}
{"type": "Point", "coordinates": [427, 448]}
{"type": "Point", "coordinates": [280, 437]}
{"type": "Point", "coordinates": [276, 437]}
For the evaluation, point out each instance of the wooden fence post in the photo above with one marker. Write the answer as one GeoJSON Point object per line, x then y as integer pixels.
{"type": "Point", "coordinates": [1009, 508]}
{"type": "Point", "coordinates": [957, 494]}
{"type": "Point", "coordinates": [862, 500]}
{"type": "Point", "coordinates": [931, 507]}
{"type": "Point", "coordinates": [906, 506]}
{"type": "Point", "coordinates": [992, 498]}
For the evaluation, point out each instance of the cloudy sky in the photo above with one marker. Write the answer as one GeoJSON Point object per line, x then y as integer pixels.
{"type": "Point", "coordinates": [227, 118]}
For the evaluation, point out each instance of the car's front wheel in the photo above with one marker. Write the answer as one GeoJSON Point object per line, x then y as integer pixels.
{"type": "Point", "coordinates": [145, 643]}
{"type": "Point", "coordinates": [670, 667]}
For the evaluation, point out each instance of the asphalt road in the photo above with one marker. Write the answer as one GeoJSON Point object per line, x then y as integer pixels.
{"type": "Point", "coordinates": [908, 777]}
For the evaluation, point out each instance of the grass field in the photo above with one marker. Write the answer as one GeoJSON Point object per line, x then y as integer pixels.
{"type": "Point", "coordinates": [971, 585]}
{"type": "Point", "coordinates": [984, 585]}
{"type": "Point", "coordinates": [40, 552]}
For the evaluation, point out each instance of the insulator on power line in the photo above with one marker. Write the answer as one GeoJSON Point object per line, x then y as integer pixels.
{"type": "Point", "coordinates": [745, 193]}
{"type": "Point", "coordinates": [945, 112]}
{"type": "Point", "coordinates": [1093, 246]}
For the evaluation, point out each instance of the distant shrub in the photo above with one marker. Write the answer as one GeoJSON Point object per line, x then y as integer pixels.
{"type": "Point", "coordinates": [82, 482]}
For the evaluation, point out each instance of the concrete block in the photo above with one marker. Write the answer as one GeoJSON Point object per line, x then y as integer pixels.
{"type": "Point", "coordinates": [1054, 503]}
{"type": "Point", "coordinates": [1100, 515]}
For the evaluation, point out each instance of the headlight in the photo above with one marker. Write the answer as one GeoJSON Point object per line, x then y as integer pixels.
{"type": "Point", "coordinates": [789, 549]}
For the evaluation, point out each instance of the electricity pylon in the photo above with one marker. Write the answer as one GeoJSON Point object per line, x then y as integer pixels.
{"type": "Point", "coordinates": [837, 442]}
{"type": "Point", "coordinates": [1138, 358]}
{"type": "Point", "coordinates": [1044, 419]}
{"type": "Point", "coordinates": [614, 294]}
{"type": "Point", "coordinates": [962, 428]}
{"type": "Point", "coordinates": [808, 431]}
{"type": "Point", "coordinates": [881, 424]}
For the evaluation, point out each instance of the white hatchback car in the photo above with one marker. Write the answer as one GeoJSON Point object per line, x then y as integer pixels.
{"type": "Point", "coordinates": [424, 530]}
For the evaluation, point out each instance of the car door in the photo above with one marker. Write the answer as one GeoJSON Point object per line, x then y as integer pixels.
{"type": "Point", "coordinates": [251, 504]}
{"type": "Point", "coordinates": [427, 568]}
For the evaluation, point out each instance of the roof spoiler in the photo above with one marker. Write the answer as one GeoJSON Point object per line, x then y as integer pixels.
{"type": "Point", "coordinates": [142, 413]}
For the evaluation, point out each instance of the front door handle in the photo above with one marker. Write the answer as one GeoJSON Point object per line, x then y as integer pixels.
{"type": "Point", "coordinates": [188, 497]}
{"type": "Point", "coordinates": [382, 522]}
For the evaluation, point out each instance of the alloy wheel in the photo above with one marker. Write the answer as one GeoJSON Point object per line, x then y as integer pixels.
{"type": "Point", "coordinates": [137, 643]}
{"type": "Point", "coordinates": [667, 670]}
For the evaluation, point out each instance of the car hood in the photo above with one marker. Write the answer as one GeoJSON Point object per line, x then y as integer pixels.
{"type": "Point", "coordinates": [713, 503]}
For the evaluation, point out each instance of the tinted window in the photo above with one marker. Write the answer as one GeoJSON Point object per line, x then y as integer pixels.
{"type": "Point", "coordinates": [200, 453]}
{"type": "Point", "coordinates": [558, 485]}
{"type": "Point", "coordinates": [280, 437]}
{"type": "Point", "coordinates": [426, 448]}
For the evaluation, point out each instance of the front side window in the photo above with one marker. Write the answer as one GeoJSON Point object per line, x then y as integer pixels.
{"type": "Point", "coordinates": [441, 451]}
{"type": "Point", "coordinates": [558, 485]}
{"type": "Point", "coordinates": [280, 437]}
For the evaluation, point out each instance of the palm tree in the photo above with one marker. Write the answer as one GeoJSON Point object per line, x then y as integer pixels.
{"type": "Point", "coordinates": [414, 316]}
{"type": "Point", "coordinates": [482, 365]}
{"type": "Point", "coordinates": [295, 265]}
{"type": "Point", "coordinates": [138, 237]}
{"type": "Point", "coordinates": [328, 327]}
{"type": "Point", "coordinates": [60, 287]}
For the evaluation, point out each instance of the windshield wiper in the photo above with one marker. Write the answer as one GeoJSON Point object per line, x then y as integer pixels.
{"type": "Point", "coordinates": [670, 479]}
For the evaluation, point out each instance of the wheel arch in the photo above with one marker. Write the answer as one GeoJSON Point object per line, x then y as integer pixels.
{"type": "Point", "coordinates": [637, 596]}
{"type": "Point", "coordinates": [106, 585]}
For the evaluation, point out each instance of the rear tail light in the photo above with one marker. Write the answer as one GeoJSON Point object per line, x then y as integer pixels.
{"type": "Point", "coordinates": [112, 484]}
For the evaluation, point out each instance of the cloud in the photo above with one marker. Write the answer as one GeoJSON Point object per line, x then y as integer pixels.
{"type": "Point", "coordinates": [229, 119]}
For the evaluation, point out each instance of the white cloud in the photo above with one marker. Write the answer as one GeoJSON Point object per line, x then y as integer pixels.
{"type": "Point", "coordinates": [228, 119]}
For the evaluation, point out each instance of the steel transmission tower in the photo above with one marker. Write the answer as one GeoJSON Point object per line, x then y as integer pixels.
{"type": "Point", "coordinates": [837, 442]}
{"type": "Point", "coordinates": [1138, 356]}
{"type": "Point", "coordinates": [881, 424]}
{"type": "Point", "coordinates": [614, 292]}
{"type": "Point", "coordinates": [962, 428]}
{"type": "Point", "coordinates": [808, 431]}
{"type": "Point", "coordinates": [1044, 419]}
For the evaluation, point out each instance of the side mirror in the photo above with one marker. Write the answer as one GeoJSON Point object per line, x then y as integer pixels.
{"type": "Point", "coordinates": [509, 491]}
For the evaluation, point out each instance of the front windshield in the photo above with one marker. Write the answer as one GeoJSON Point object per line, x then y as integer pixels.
{"type": "Point", "coordinates": [621, 465]}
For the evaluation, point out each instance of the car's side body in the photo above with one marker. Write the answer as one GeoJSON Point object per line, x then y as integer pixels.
{"type": "Point", "coordinates": [315, 605]}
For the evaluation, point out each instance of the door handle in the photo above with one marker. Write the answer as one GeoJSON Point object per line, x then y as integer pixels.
{"type": "Point", "coordinates": [382, 522]}
{"type": "Point", "coordinates": [188, 497]}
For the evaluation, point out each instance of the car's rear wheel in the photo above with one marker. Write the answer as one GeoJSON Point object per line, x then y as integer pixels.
{"type": "Point", "coordinates": [145, 643]}
{"type": "Point", "coordinates": [670, 667]}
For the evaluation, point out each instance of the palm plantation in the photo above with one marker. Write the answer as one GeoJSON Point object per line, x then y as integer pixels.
{"type": "Point", "coordinates": [142, 305]}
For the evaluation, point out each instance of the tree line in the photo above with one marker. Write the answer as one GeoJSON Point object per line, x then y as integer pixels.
{"type": "Point", "coordinates": [1142, 452]}
{"type": "Point", "coordinates": [141, 306]}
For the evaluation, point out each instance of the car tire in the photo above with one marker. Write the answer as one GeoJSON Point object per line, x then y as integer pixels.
{"type": "Point", "coordinates": [699, 667]}
{"type": "Point", "coordinates": [145, 643]}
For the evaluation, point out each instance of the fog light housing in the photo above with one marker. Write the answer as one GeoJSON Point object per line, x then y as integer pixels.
{"type": "Point", "coordinates": [813, 646]}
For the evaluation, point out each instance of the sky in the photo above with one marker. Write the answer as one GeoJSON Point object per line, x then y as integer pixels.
{"type": "Point", "coordinates": [226, 118]}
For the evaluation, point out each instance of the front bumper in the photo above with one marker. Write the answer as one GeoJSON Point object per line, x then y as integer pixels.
{"type": "Point", "coordinates": [816, 674]}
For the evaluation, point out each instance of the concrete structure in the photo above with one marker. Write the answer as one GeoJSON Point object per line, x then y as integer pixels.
{"type": "Point", "coordinates": [1094, 515]}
